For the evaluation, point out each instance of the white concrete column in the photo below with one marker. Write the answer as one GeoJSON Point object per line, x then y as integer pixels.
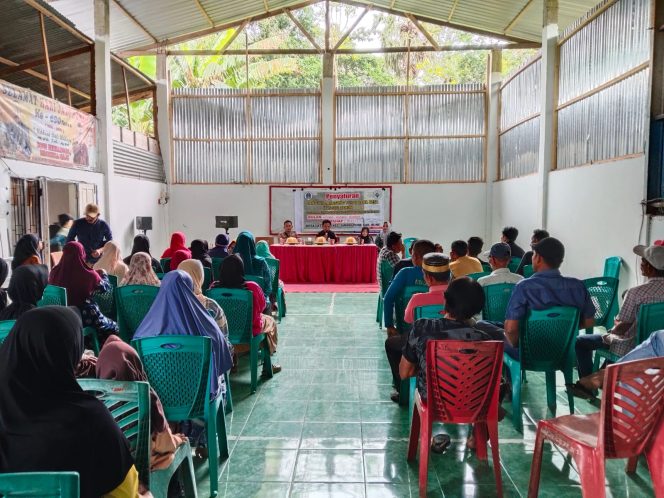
{"type": "Point", "coordinates": [548, 92]}
{"type": "Point", "coordinates": [327, 119]}
{"type": "Point", "coordinates": [163, 114]}
{"type": "Point", "coordinates": [492, 138]}
{"type": "Point", "coordinates": [104, 99]}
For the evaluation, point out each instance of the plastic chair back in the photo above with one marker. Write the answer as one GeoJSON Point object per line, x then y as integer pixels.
{"type": "Point", "coordinates": [216, 265]}
{"type": "Point", "coordinates": [273, 265]}
{"type": "Point", "coordinates": [649, 319]}
{"type": "Point", "coordinates": [133, 302]}
{"type": "Point", "coordinates": [207, 278]}
{"type": "Point", "coordinates": [496, 299]}
{"type": "Point", "coordinates": [165, 264]}
{"type": "Point", "coordinates": [129, 403]}
{"type": "Point", "coordinates": [612, 267]}
{"type": "Point", "coordinates": [5, 327]}
{"type": "Point", "coordinates": [486, 267]}
{"type": "Point", "coordinates": [407, 243]}
{"type": "Point", "coordinates": [386, 274]}
{"type": "Point", "coordinates": [602, 292]}
{"type": "Point", "coordinates": [632, 404]}
{"type": "Point", "coordinates": [463, 379]}
{"type": "Point", "coordinates": [402, 301]}
{"type": "Point", "coordinates": [106, 300]}
{"type": "Point", "coordinates": [546, 339]}
{"type": "Point", "coordinates": [238, 306]}
{"type": "Point", "coordinates": [40, 485]}
{"type": "Point", "coordinates": [514, 264]}
{"type": "Point", "coordinates": [477, 275]}
{"type": "Point", "coordinates": [429, 311]}
{"type": "Point", "coordinates": [528, 271]}
{"type": "Point", "coordinates": [53, 296]}
{"type": "Point", "coordinates": [178, 367]}
{"type": "Point", "coordinates": [160, 276]}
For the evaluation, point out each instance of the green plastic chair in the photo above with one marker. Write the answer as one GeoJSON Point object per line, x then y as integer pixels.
{"type": "Point", "coordinates": [106, 300]}
{"type": "Point", "coordinates": [133, 302]}
{"type": "Point", "coordinates": [612, 267]}
{"type": "Point", "coordinates": [165, 264]}
{"type": "Point", "coordinates": [238, 307]}
{"type": "Point", "coordinates": [5, 327]}
{"type": "Point", "coordinates": [514, 264]}
{"type": "Point", "coordinates": [602, 292]}
{"type": "Point", "coordinates": [496, 299]}
{"type": "Point", "coordinates": [53, 296]}
{"type": "Point", "coordinates": [407, 242]}
{"type": "Point", "coordinates": [207, 277]}
{"type": "Point", "coordinates": [486, 267]}
{"type": "Point", "coordinates": [478, 275]}
{"type": "Point", "coordinates": [528, 271]}
{"type": "Point", "coordinates": [179, 368]}
{"type": "Point", "coordinates": [259, 280]}
{"type": "Point", "coordinates": [546, 344]}
{"type": "Point", "coordinates": [160, 276]}
{"type": "Point", "coordinates": [400, 305]}
{"type": "Point", "coordinates": [40, 485]}
{"type": "Point", "coordinates": [129, 403]}
{"type": "Point", "coordinates": [429, 311]}
{"type": "Point", "coordinates": [216, 265]}
{"type": "Point", "coordinates": [386, 274]}
{"type": "Point", "coordinates": [274, 265]}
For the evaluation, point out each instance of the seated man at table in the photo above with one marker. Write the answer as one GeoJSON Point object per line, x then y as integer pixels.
{"type": "Point", "coordinates": [499, 259]}
{"type": "Point", "coordinates": [287, 232]}
{"type": "Point", "coordinates": [545, 289]}
{"type": "Point", "coordinates": [405, 277]}
{"type": "Point", "coordinates": [462, 264]}
{"type": "Point", "coordinates": [436, 269]}
{"type": "Point", "coordinates": [327, 232]}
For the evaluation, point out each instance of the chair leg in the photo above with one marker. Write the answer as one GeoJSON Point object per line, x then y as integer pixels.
{"type": "Point", "coordinates": [568, 373]}
{"type": "Point", "coordinates": [267, 360]}
{"type": "Point", "coordinates": [631, 465]}
{"type": "Point", "coordinates": [536, 467]}
{"type": "Point", "coordinates": [596, 361]}
{"type": "Point", "coordinates": [229, 395]}
{"type": "Point", "coordinates": [253, 359]}
{"type": "Point", "coordinates": [187, 468]}
{"type": "Point", "coordinates": [551, 390]}
{"type": "Point", "coordinates": [404, 392]}
{"type": "Point", "coordinates": [479, 430]}
{"type": "Point", "coordinates": [414, 437]}
{"type": "Point", "coordinates": [492, 426]}
{"type": "Point", "coordinates": [655, 458]}
{"type": "Point", "coordinates": [516, 396]}
{"type": "Point", "coordinates": [425, 446]}
{"type": "Point", "coordinates": [213, 449]}
{"type": "Point", "coordinates": [222, 439]}
{"type": "Point", "coordinates": [592, 473]}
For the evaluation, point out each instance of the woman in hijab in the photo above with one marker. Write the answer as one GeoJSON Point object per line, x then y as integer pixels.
{"type": "Point", "coordinates": [253, 264]}
{"type": "Point", "coordinates": [231, 276]}
{"type": "Point", "coordinates": [179, 257]}
{"type": "Point", "coordinates": [195, 270]}
{"type": "Point", "coordinates": [142, 244]}
{"type": "Point", "coordinates": [82, 283]}
{"type": "Point", "coordinates": [119, 361]}
{"type": "Point", "coordinates": [4, 271]}
{"type": "Point", "coordinates": [140, 271]}
{"type": "Point", "coordinates": [27, 251]}
{"type": "Point", "coordinates": [47, 422]}
{"type": "Point", "coordinates": [178, 243]}
{"type": "Point", "coordinates": [199, 251]}
{"type": "Point", "coordinates": [263, 250]}
{"type": "Point", "coordinates": [111, 261]}
{"type": "Point", "coordinates": [220, 249]}
{"type": "Point", "coordinates": [26, 287]}
{"type": "Point", "coordinates": [177, 311]}
{"type": "Point", "coordinates": [381, 238]}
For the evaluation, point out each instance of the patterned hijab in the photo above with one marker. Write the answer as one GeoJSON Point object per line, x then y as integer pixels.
{"type": "Point", "coordinates": [111, 260]}
{"type": "Point", "coordinates": [140, 271]}
{"type": "Point", "coordinates": [195, 270]}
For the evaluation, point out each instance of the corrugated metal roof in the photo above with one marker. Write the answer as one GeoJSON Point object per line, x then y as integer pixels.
{"type": "Point", "coordinates": [168, 19]}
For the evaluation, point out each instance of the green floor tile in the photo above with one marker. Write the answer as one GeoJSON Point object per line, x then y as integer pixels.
{"type": "Point", "coordinates": [329, 466]}
{"type": "Point", "coordinates": [320, 490]}
{"type": "Point", "coordinates": [257, 464]}
{"type": "Point", "coordinates": [316, 436]}
{"type": "Point", "coordinates": [254, 490]}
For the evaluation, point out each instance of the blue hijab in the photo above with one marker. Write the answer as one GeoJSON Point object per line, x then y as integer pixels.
{"type": "Point", "coordinates": [245, 247]}
{"type": "Point", "coordinates": [177, 311]}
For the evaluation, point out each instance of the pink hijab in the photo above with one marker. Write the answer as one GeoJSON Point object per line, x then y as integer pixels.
{"type": "Point", "coordinates": [74, 275]}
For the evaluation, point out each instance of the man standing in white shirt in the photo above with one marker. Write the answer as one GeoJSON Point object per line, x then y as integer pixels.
{"type": "Point", "coordinates": [499, 259]}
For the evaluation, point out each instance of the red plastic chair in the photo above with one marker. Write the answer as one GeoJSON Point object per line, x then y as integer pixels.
{"type": "Point", "coordinates": [629, 423]}
{"type": "Point", "coordinates": [463, 381]}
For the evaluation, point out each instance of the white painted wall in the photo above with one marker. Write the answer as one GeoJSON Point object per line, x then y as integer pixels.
{"type": "Point", "coordinates": [514, 204]}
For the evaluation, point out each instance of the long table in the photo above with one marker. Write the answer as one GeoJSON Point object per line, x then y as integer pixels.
{"type": "Point", "coordinates": [326, 264]}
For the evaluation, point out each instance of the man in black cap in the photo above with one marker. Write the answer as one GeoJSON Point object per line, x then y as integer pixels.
{"type": "Point", "coordinates": [545, 289]}
{"type": "Point", "coordinates": [499, 259]}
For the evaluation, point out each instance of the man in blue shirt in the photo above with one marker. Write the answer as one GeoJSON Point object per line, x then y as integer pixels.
{"type": "Point", "coordinates": [92, 232]}
{"type": "Point", "coordinates": [405, 277]}
{"type": "Point", "coordinates": [545, 289]}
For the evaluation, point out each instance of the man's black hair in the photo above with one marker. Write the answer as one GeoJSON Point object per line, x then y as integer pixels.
{"type": "Point", "coordinates": [288, 221]}
{"type": "Point", "coordinates": [510, 233]}
{"type": "Point", "coordinates": [539, 234]}
{"type": "Point", "coordinates": [459, 247]}
{"type": "Point", "coordinates": [475, 245]}
{"type": "Point", "coordinates": [392, 238]}
{"type": "Point", "coordinates": [326, 221]}
{"type": "Point", "coordinates": [422, 247]}
{"type": "Point", "coordinates": [464, 298]}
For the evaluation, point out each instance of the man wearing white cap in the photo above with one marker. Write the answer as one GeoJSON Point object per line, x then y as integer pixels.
{"type": "Point", "coordinates": [620, 339]}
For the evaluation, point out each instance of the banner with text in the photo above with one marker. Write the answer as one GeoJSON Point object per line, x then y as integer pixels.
{"type": "Point", "coordinates": [38, 129]}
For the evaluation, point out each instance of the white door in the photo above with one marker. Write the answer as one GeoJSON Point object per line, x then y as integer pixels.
{"type": "Point", "coordinates": [86, 193]}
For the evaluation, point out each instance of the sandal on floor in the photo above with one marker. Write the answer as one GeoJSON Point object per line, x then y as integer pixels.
{"type": "Point", "coordinates": [440, 443]}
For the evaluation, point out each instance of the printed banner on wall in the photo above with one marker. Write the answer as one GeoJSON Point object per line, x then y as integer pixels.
{"type": "Point", "coordinates": [348, 209]}
{"type": "Point", "coordinates": [38, 129]}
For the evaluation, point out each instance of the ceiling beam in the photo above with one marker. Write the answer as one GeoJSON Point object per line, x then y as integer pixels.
{"type": "Point", "coordinates": [132, 69]}
{"type": "Point", "coordinates": [129, 16]}
{"type": "Point", "coordinates": [47, 12]}
{"type": "Point", "coordinates": [204, 12]}
{"type": "Point", "coordinates": [38, 62]}
{"type": "Point", "coordinates": [516, 18]}
{"type": "Point", "coordinates": [43, 77]}
{"type": "Point", "coordinates": [426, 34]}
{"type": "Point", "coordinates": [303, 30]}
{"type": "Point", "coordinates": [352, 27]}
{"type": "Point", "coordinates": [47, 61]}
{"type": "Point", "coordinates": [235, 35]}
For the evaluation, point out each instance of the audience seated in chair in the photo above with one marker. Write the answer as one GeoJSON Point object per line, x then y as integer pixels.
{"type": "Point", "coordinates": [142, 244]}
{"type": "Point", "coordinates": [527, 259]}
{"type": "Point", "coordinates": [199, 251]}
{"type": "Point", "coordinates": [48, 422]}
{"type": "Point", "coordinates": [27, 251]}
{"type": "Point", "coordinates": [621, 338]}
{"type": "Point", "coordinates": [475, 245]}
{"type": "Point", "coordinates": [178, 243]}
{"type": "Point", "coordinates": [405, 277]}
{"type": "Point", "coordinates": [545, 289]}
{"type": "Point", "coordinates": [220, 249]}
{"type": "Point", "coordinates": [381, 237]}
{"type": "Point", "coordinates": [26, 287]}
{"type": "Point", "coordinates": [253, 264]}
{"type": "Point", "coordinates": [390, 253]}
{"type": "Point", "coordinates": [509, 236]}
{"type": "Point", "coordinates": [436, 270]}
{"type": "Point", "coordinates": [461, 263]}
{"type": "Point", "coordinates": [111, 261]}
{"type": "Point", "coordinates": [499, 259]}
{"type": "Point", "coordinates": [140, 272]}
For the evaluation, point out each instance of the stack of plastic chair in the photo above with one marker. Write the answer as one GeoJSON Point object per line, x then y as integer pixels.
{"type": "Point", "coordinates": [5, 327]}
{"type": "Point", "coordinates": [40, 485]}
{"type": "Point", "coordinates": [546, 344]}
{"type": "Point", "coordinates": [429, 311]}
{"type": "Point", "coordinates": [179, 370]}
{"type": "Point", "coordinates": [386, 273]}
{"type": "Point", "coordinates": [273, 265]}
{"type": "Point", "coordinates": [478, 275]}
{"type": "Point", "coordinates": [496, 299]}
{"type": "Point", "coordinates": [238, 307]}
{"type": "Point", "coordinates": [53, 296]}
{"type": "Point", "coordinates": [129, 403]}
{"type": "Point", "coordinates": [463, 384]}
{"type": "Point", "coordinates": [628, 424]}
{"type": "Point", "coordinates": [133, 302]}
{"type": "Point", "coordinates": [514, 264]}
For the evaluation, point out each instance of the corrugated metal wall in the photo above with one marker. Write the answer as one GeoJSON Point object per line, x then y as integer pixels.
{"type": "Point", "coordinates": [426, 134]}
{"type": "Point", "coordinates": [520, 121]}
{"type": "Point", "coordinates": [226, 136]}
{"type": "Point", "coordinates": [138, 163]}
{"type": "Point", "coordinates": [611, 52]}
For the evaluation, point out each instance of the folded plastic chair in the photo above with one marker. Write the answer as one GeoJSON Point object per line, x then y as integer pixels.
{"type": "Point", "coordinates": [629, 423]}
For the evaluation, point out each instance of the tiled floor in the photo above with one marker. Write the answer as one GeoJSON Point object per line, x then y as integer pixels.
{"type": "Point", "coordinates": [325, 426]}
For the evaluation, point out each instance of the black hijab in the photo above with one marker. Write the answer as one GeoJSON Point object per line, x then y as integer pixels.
{"type": "Point", "coordinates": [4, 271]}
{"type": "Point", "coordinates": [231, 273]}
{"type": "Point", "coordinates": [27, 246]}
{"type": "Point", "coordinates": [199, 251]}
{"type": "Point", "coordinates": [26, 287]}
{"type": "Point", "coordinates": [47, 422]}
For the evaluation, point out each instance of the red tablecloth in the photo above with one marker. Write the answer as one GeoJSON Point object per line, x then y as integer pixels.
{"type": "Point", "coordinates": [326, 264]}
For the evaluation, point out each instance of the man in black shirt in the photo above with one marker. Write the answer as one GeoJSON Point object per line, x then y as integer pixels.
{"type": "Point", "coordinates": [527, 259]}
{"type": "Point", "coordinates": [327, 233]}
{"type": "Point", "coordinates": [509, 237]}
